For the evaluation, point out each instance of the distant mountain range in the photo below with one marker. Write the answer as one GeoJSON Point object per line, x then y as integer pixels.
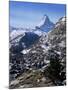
{"type": "Point", "coordinates": [44, 25]}
{"type": "Point", "coordinates": [21, 38]}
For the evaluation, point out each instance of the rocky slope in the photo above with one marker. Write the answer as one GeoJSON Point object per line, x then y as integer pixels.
{"type": "Point", "coordinates": [32, 67]}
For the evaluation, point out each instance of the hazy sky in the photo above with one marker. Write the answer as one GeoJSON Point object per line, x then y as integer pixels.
{"type": "Point", "coordinates": [28, 15]}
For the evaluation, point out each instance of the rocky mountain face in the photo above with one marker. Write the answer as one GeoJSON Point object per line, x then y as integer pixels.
{"type": "Point", "coordinates": [57, 38]}
{"type": "Point", "coordinates": [41, 64]}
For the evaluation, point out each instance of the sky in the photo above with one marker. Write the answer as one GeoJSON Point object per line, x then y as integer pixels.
{"type": "Point", "coordinates": [28, 14]}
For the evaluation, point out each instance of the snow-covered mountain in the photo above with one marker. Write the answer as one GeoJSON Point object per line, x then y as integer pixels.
{"type": "Point", "coordinates": [25, 65]}
{"type": "Point", "coordinates": [45, 24]}
{"type": "Point", "coordinates": [17, 32]}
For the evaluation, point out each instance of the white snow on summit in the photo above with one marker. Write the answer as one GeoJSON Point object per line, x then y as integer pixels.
{"type": "Point", "coordinates": [42, 21]}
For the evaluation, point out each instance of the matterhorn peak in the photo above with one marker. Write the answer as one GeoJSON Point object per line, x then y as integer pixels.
{"type": "Point", "coordinates": [43, 20]}
{"type": "Point", "coordinates": [45, 24]}
{"type": "Point", "coordinates": [45, 17]}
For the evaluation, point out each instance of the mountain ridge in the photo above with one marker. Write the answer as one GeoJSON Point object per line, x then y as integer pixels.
{"type": "Point", "coordinates": [50, 48]}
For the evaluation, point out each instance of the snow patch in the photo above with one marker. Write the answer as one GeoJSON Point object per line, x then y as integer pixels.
{"type": "Point", "coordinates": [58, 52]}
{"type": "Point", "coordinates": [42, 21]}
{"type": "Point", "coordinates": [63, 19]}
{"type": "Point", "coordinates": [43, 46]}
{"type": "Point", "coordinates": [62, 44]}
{"type": "Point", "coordinates": [16, 33]}
{"type": "Point", "coordinates": [34, 51]}
{"type": "Point", "coordinates": [57, 25]}
{"type": "Point", "coordinates": [46, 48]}
{"type": "Point", "coordinates": [25, 51]}
{"type": "Point", "coordinates": [38, 32]}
